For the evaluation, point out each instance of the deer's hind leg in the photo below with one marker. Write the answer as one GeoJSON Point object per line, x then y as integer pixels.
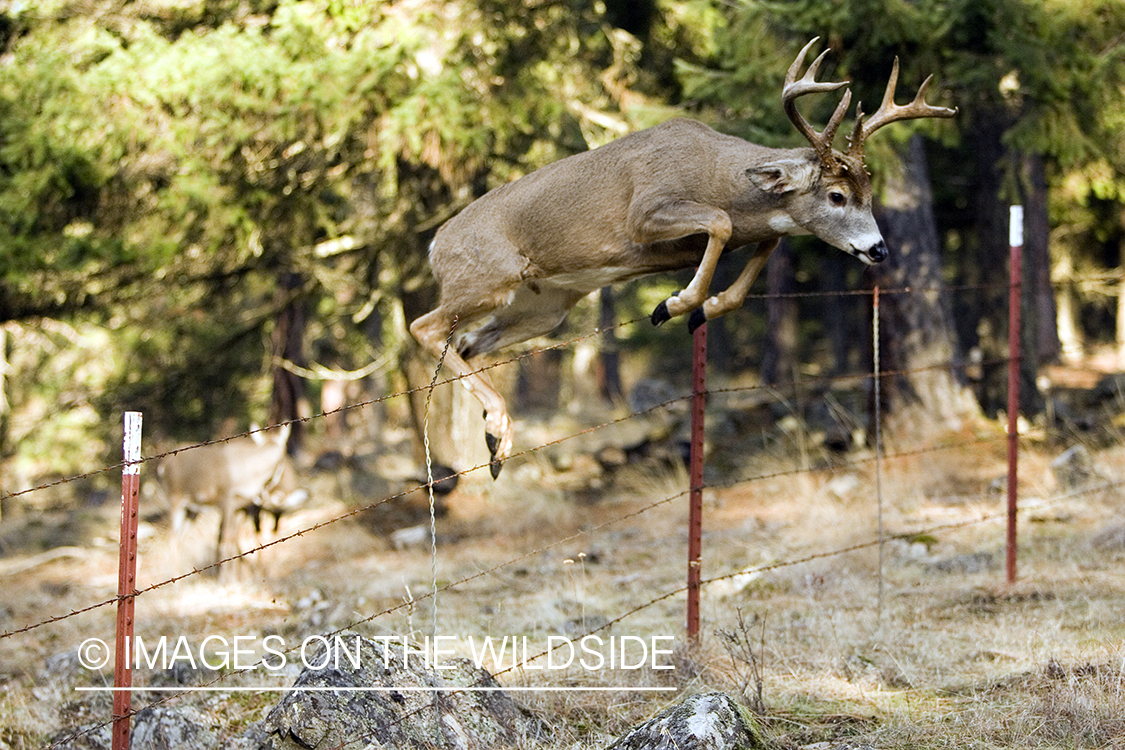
{"type": "Point", "coordinates": [537, 308]}
{"type": "Point", "coordinates": [432, 331]}
{"type": "Point", "coordinates": [227, 545]}
{"type": "Point", "coordinates": [481, 273]}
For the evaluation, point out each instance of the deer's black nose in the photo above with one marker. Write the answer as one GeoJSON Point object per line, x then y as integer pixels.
{"type": "Point", "coordinates": [878, 252]}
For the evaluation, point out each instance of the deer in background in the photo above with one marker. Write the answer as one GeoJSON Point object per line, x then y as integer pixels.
{"type": "Point", "coordinates": [232, 475]}
{"type": "Point", "coordinates": [283, 495]}
{"type": "Point", "coordinates": [670, 197]}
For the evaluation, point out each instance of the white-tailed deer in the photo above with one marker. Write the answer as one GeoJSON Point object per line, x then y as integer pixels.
{"type": "Point", "coordinates": [280, 497]}
{"type": "Point", "coordinates": [670, 197]}
{"type": "Point", "coordinates": [229, 475]}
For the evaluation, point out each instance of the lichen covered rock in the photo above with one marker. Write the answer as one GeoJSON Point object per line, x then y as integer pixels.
{"type": "Point", "coordinates": [412, 705]}
{"type": "Point", "coordinates": [709, 721]}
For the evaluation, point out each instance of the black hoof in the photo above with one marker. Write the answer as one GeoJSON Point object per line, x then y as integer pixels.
{"type": "Point", "coordinates": [697, 319]}
{"type": "Point", "coordinates": [660, 315]}
{"type": "Point", "coordinates": [493, 442]}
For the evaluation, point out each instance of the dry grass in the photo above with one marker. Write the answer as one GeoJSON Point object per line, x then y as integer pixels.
{"type": "Point", "coordinates": [954, 657]}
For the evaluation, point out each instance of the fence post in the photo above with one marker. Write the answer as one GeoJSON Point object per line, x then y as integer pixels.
{"type": "Point", "coordinates": [126, 582]}
{"type": "Point", "coordinates": [1015, 235]}
{"type": "Point", "coordinates": [877, 406]}
{"type": "Point", "coordinates": [695, 514]}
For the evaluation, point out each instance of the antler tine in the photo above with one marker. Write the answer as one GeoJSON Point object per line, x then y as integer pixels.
{"type": "Point", "coordinates": [807, 84]}
{"type": "Point", "coordinates": [890, 112]}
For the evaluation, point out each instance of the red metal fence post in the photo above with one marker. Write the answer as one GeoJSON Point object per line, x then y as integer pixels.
{"type": "Point", "coordinates": [126, 582]}
{"type": "Point", "coordinates": [695, 515]}
{"type": "Point", "coordinates": [1015, 234]}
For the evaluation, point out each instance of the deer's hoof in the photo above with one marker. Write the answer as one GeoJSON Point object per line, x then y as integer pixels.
{"type": "Point", "coordinates": [496, 464]}
{"type": "Point", "coordinates": [660, 315]}
{"type": "Point", "coordinates": [492, 442]}
{"type": "Point", "coordinates": [698, 318]}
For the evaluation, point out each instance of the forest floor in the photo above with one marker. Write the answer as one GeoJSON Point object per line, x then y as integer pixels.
{"type": "Point", "coordinates": [828, 635]}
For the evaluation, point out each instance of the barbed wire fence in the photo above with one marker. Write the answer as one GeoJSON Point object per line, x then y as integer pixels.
{"type": "Point", "coordinates": [766, 392]}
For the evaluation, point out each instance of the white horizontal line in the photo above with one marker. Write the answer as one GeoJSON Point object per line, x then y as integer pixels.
{"type": "Point", "coordinates": [373, 689]}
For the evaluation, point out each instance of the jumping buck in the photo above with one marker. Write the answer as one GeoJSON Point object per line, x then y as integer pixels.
{"type": "Point", "coordinates": [230, 475]}
{"type": "Point", "coordinates": [670, 197]}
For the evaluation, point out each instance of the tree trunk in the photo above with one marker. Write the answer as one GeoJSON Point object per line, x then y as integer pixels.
{"type": "Point", "coordinates": [5, 408]}
{"type": "Point", "coordinates": [1068, 324]}
{"type": "Point", "coordinates": [916, 334]}
{"type": "Point", "coordinates": [835, 312]}
{"type": "Point", "coordinates": [288, 401]}
{"type": "Point", "coordinates": [1037, 256]}
{"type": "Point", "coordinates": [991, 308]}
{"type": "Point", "coordinates": [1120, 337]}
{"type": "Point", "coordinates": [780, 355]}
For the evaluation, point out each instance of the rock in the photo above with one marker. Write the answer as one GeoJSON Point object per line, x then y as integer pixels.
{"type": "Point", "coordinates": [707, 721]}
{"type": "Point", "coordinates": [1074, 468]}
{"type": "Point", "coordinates": [406, 715]}
{"type": "Point", "coordinates": [155, 728]}
{"type": "Point", "coordinates": [92, 736]}
{"type": "Point", "coordinates": [1112, 386]}
{"type": "Point", "coordinates": [162, 727]}
{"type": "Point", "coordinates": [411, 536]}
{"type": "Point", "coordinates": [1110, 539]}
{"type": "Point", "coordinates": [975, 562]}
{"type": "Point", "coordinates": [843, 487]}
{"type": "Point", "coordinates": [650, 393]}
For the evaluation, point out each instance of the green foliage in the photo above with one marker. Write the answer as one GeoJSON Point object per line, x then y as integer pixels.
{"type": "Point", "coordinates": [160, 166]}
{"type": "Point", "coordinates": [162, 163]}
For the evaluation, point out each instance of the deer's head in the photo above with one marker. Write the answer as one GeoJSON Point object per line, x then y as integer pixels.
{"type": "Point", "coordinates": [829, 192]}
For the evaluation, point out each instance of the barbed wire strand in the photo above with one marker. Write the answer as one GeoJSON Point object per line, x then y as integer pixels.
{"type": "Point", "coordinates": [409, 490]}
{"type": "Point", "coordinates": [430, 470]}
{"type": "Point", "coordinates": [597, 331]}
{"type": "Point", "coordinates": [805, 383]}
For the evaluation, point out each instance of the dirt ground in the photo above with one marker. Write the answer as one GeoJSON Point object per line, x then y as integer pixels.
{"type": "Point", "coordinates": [829, 635]}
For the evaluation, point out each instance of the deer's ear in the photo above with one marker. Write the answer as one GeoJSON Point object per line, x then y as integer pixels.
{"type": "Point", "coordinates": [783, 176]}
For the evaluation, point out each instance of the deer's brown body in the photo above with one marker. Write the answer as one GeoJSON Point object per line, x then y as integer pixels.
{"type": "Point", "coordinates": [230, 475]}
{"type": "Point", "coordinates": [670, 197]}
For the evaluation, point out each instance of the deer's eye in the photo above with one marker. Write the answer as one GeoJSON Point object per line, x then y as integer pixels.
{"type": "Point", "coordinates": [836, 198]}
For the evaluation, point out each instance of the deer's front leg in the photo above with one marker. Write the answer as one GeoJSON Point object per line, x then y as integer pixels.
{"type": "Point", "coordinates": [678, 219]}
{"type": "Point", "coordinates": [732, 298]}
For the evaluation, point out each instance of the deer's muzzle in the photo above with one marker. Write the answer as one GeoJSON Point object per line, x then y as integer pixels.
{"type": "Point", "coordinates": [877, 253]}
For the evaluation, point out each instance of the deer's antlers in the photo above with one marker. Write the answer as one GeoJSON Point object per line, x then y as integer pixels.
{"type": "Point", "coordinates": [822, 141]}
{"type": "Point", "coordinates": [888, 111]}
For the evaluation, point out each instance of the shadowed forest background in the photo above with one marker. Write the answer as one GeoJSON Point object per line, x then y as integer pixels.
{"type": "Point", "coordinates": [218, 212]}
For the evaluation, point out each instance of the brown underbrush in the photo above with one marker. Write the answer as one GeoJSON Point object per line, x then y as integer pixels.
{"type": "Point", "coordinates": [832, 636]}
